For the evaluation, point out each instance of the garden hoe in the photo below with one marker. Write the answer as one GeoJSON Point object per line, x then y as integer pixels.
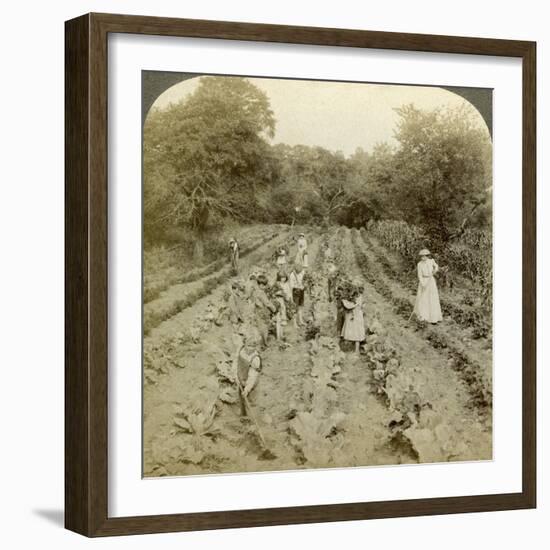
{"type": "Point", "coordinates": [266, 454]}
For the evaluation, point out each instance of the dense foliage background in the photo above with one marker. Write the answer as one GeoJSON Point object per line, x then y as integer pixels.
{"type": "Point", "coordinates": [209, 163]}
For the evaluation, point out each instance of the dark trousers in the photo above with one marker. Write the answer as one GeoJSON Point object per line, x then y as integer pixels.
{"type": "Point", "coordinates": [339, 319]}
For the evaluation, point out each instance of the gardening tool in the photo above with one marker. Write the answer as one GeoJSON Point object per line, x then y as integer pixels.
{"type": "Point", "coordinates": [267, 454]}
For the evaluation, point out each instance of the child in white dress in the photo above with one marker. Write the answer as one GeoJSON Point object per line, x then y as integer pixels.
{"type": "Point", "coordinates": [353, 328]}
{"type": "Point", "coordinates": [301, 255]}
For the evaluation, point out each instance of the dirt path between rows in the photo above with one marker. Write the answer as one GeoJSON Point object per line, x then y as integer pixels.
{"type": "Point", "coordinates": [180, 296]}
{"type": "Point", "coordinates": [187, 317]}
{"type": "Point", "coordinates": [231, 444]}
{"type": "Point", "coordinates": [481, 349]}
{"type": "Point", "coordinates": [471, 358]}
{"type": "Point", "coordinates": [449, 395]}
{"type": "Point", "coordinates": [236, 447]}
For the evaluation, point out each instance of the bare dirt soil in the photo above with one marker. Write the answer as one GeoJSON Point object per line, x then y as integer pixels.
{"type": "Point", "coordinates": [414, 394]}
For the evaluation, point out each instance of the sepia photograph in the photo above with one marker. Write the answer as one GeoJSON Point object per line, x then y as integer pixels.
{"type": "Point", "coordinates": [317, 274]}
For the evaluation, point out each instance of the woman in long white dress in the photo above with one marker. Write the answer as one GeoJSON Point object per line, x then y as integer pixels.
{"type": "Point", "coordinates": [427, 306]}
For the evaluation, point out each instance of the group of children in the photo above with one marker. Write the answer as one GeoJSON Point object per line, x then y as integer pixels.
{"type": "Point", "coordinates": [284, 299]}
{"type": "Point", "coordinates": [259, 305]}
{"type": "Point", "coordinates": [255, 305]}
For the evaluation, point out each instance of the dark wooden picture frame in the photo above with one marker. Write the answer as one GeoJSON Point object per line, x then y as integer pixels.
{"type": "Point", "coordinates": [86, 281]}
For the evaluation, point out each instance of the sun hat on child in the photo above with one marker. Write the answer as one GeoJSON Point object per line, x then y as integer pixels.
{"type": "Point", "coordinates": [424, 252]}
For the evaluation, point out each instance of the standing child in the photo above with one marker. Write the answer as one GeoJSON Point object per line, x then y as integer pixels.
{"type": "Point", "coordinates": [234, 256]}
{"type": "Point", "coordinates": [297, 284]}
{"type": "Point", "coordinates": [247, 365]}
{"type": "Point", "coordinates": [281, 314]}
{"type": "Point", "coordinates": [234, 303]}
{"type": "Point", "coordinates": [353, 329]}
{"type": "Point", "coordinates": [282, 283]}
{"type": "Point", "coordinates": [301, 254]}
{"type": "Point", "coordinates": [262, 307]}
{"type": "Point", "coordinates": [282, 255]}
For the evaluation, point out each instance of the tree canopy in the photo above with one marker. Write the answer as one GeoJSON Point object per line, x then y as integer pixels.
{"type": "Point", "coordinates": [442, 167]}
{"type": "Point", "coordinates": [209, 159]}
{"type": "Point", "coordinates": [205, 157]}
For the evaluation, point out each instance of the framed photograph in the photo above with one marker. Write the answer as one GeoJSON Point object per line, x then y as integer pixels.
{"type": "Point", "coordinates": [300, 275]}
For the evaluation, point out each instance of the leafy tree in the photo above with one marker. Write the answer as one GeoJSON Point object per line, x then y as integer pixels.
{"type": "Point", "coordinates": [442, 171]}
{"type": "Point", "coordinates": [370, 186]}
{"type": "Point", "coordinates": [314, 180]}
{"type": "Point", "coordinates": [208, 160]}
{"type": "Point", "coordinates": [205, 157]}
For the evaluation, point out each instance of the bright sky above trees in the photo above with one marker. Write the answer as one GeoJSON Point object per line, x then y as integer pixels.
{"type": "Point", "coordinates": [335, 115]}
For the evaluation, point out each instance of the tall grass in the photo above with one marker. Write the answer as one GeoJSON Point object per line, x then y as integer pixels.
{"type": "Point", "coordinates": [165, 266]}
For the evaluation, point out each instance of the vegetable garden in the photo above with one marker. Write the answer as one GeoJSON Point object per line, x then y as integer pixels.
{"type": "Point", "coordinates": [414, 394]}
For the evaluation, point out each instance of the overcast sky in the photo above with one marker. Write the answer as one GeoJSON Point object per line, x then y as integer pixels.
{"type": "Point", "coordinates": [335, 115]}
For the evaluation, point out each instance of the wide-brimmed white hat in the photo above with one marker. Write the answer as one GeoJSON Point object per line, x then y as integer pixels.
{"type": "Point", "coordinates": [424, 252]}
